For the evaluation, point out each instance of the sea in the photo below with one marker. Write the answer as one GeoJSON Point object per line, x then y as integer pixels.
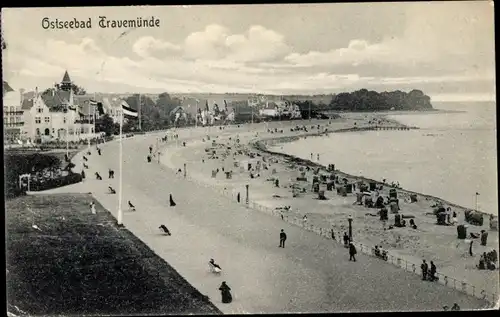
{"type": "Point", "coordinates": [452, 156]}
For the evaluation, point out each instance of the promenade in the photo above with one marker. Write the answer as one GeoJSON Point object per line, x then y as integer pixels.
{"type": "Point", "coordinates": [312, 274]}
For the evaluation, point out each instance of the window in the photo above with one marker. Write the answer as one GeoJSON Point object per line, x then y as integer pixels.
{"type": "Point", "coordinates": [5, 109]}
{"type": "Point", "coordinates": [91, 130]}
{"type": "Point", "coordinates": [38, 120]}
{"type": "Point", "coordinates": [53, 130]}
{"type": "Point", "coordinates": [6, 119]}
{"type": "Point", "coordinates": [11, 109]}
{"type": "Point", "coordinates": [39, 110]}
{"type": "Point", "coordinates": [37, 131]}
{"type": "Point", "coordinates": [47, 119]}
{"type": "Point", "coordinates": [82, 130]}
{"type": "Point", "coordinates": [64, 120]}
{"type": "Point", "coordinates": [19, 119]}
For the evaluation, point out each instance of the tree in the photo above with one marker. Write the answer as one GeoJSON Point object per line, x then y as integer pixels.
{"type": "Point", "coordinates": [364, 100]}
{"type": "Point", "coordinates": [77, 90]}
{"type": "Point", "coordinates": [105, 124]}
{"type": "Point", "coordinates": [149, 112]}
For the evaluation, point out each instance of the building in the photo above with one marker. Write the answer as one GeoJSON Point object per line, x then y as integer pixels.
{"type": "Point", "coordinates": [269, 110]}
{"type": "Point", "coordinates": [113, 107]}
{"type": "Point", "coordinates": [58, 115]}
{"type": "Point", "coordinates": [13, 122]}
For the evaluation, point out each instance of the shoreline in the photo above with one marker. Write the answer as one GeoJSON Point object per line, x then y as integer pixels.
{"type": "Point", "coordinates": [429, 240]}
{"type": "Point", "coordinates": [262, 145]}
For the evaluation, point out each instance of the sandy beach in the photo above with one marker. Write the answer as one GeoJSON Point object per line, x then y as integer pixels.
{"type": "Point", "coordinates": [429, 241]}
{"type": "Point", "coordinates": [311, 274]}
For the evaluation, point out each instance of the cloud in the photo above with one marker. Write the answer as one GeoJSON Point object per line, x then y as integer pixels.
{"type": "Point", "coordinates": [208, 44]}
{"type": "Point", "coordinates": [259, 44]}
{"type": "Point", "coordinates": [256, 60]}
{"type": "Point", "coordinates": [256, 45]}
{"type": "Point", "coordinates": [361, 52]}
{"type": "Point", "coordinates": [148, 46]}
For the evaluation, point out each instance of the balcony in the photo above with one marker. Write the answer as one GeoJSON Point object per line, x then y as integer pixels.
{"type": "Point", "coordinates": [84, 121]}
{"type": "Point", "coordinates": [13, 124]}
{"type": "Point", "coordinates": [14, 113]}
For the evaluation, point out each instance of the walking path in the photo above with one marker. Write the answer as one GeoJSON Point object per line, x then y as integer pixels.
{"type": "Point", "coordinates": [311, 274]}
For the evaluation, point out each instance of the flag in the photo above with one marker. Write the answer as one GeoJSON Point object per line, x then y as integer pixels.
{"type": "Point", "coordinates": [100, 109]}
{"type": "Point", "coordinates": [93, 102]}
{"type": "Point", "coordinates": [129, 112]}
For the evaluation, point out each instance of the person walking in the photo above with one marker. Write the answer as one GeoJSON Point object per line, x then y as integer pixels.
{"type": "Point", "coordinates": [172, 202]}
{"type": "Point", "coordinates": [238, 198]}
{"type": "Point", "coordinates": [225, 292]}
{"type": "Point", "coordinates": [352, 252]}
{"type": "Point", "coordinates": [455, 307]}
{"type": "Point", "coordinates": [92, 208]}
{"type": "Point", "coordinates": [83, 175]}
{"type": "Point", "coordinates": [484, 237]}
{"type": "Point", "coordinates": [432, 272]}
{"type": "Point", "coordinates": [424, 267]}
{"type": "Point", "coordinates": [282, 238]}
{"type": "Point", "coordinates": [346, 239]}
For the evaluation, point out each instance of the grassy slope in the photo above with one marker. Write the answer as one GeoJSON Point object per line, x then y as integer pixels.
{"type": "Point", "coordinates": [85, 265]}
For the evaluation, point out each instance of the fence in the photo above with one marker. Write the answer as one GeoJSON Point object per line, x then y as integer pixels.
{"type": "Point", "coordinates": [409, 266]}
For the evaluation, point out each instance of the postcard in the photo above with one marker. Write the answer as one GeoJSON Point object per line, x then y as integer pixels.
{"type": "Point", "coordinates": [250, 159]}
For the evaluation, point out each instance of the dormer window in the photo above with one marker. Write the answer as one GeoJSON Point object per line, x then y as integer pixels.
{"type": "Point", "coordinates": [39, 110]}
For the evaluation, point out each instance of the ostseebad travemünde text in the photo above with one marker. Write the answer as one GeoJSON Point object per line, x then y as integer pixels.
{"type": "Point", "coordinates": [102, 22]}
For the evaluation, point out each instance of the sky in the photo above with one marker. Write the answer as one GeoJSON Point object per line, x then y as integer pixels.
{"type": "Point", "coordinates": [445, 49]}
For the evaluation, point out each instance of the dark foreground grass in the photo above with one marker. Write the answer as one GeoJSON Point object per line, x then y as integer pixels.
{"type": "Point", "coordinates": [84, 264]}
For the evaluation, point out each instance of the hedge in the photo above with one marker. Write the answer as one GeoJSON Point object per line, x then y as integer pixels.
{"type": "Point", "coordinates": [72, 178]}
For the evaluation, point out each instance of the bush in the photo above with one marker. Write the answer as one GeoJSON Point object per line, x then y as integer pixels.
{"type": "Point", "coordinates": [56, 182]}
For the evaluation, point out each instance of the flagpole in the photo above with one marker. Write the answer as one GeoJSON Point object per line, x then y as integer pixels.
{"type": "Point", "coordinates": [196, 115]}
{"type": "Point", "coordinates": [140, 128]}
{"type": "Point", "coordinates": [120, 212]}
{"type": "Point", "coordinates": [95, 134]}
{"type": "Point", "coordinates": [88, 135]}
{"type": "Point", "coordinates": [67, 131]}
{"type": "Point", "coordinates": [477, 194]}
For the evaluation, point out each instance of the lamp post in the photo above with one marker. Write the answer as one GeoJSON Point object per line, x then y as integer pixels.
{"type": "Point", "coordinates": [158, 148]}
{"type": "Point", "coordinates": [350, 227]}
{"type": "Point", "coordinates": [246, 199]}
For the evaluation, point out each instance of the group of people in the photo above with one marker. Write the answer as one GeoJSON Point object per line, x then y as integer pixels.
{"type": "Point", "coordinates": [487, 260]}
{"type": "Point", "coordinates": [454, 307]}
{"type": "Point", "coordinates": [379, 252]}
{"type": "Point", "coordinates": [428, 274]}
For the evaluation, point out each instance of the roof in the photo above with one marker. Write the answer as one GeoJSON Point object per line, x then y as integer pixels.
{"type": "Point", "coordinates": [60, 97]}
{"type": "Point", "coordinates": [112, 103]}
{"type": "Point", "coordinates": [6, 87]}
{"type": "Point", "coordinates": [27, 104]}
{"type": "Point", "coordinates": [66, 78]}
{"type": "Point", "coordinates": [87, 109]}
{"type": "Point", "coordinates": [177, 109]}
